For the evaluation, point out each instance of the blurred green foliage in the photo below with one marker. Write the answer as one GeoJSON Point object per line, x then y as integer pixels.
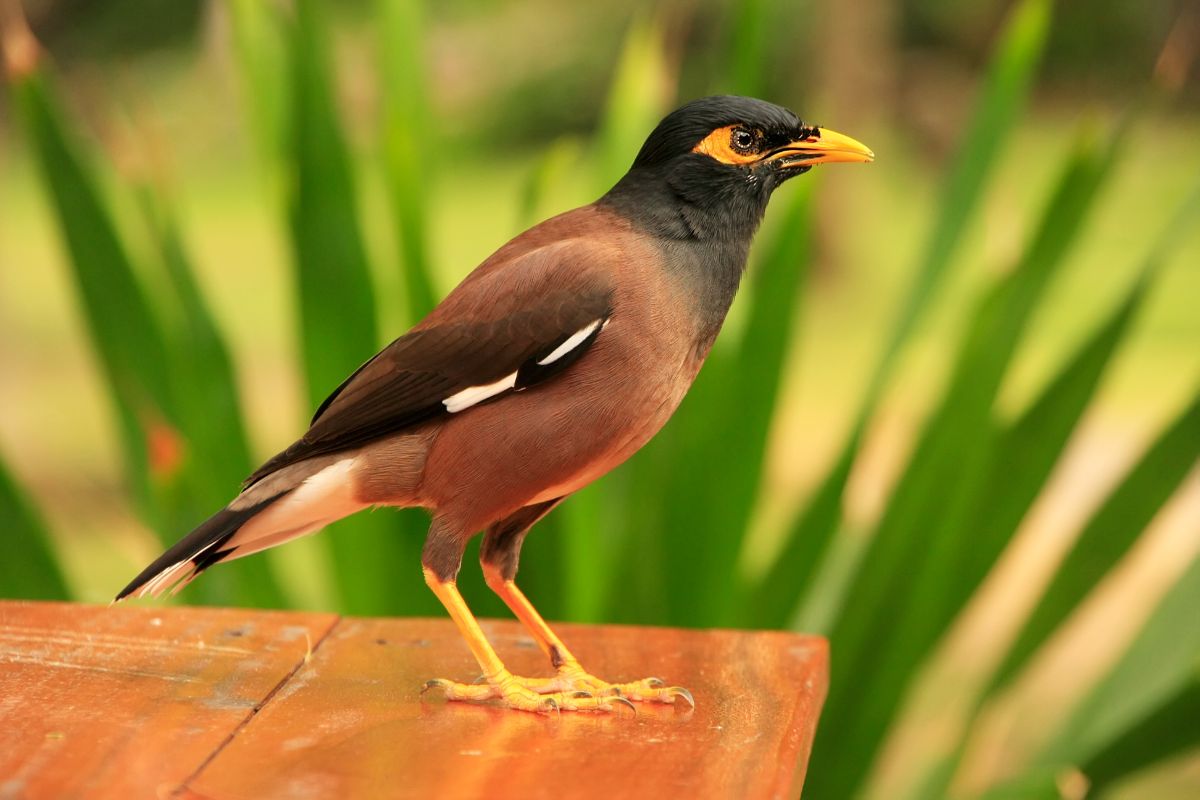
{"type": "Point", "coordinates": [657, 540]}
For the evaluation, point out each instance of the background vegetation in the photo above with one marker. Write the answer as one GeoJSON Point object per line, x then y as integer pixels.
{"type": "Point", "coordinates": [953, 422]}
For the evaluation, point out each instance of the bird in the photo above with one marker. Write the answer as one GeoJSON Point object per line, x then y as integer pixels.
{"type": "Point", "coordinates": [550, 364]}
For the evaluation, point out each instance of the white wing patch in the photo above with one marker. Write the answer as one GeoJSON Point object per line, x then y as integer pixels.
{"type": "Point", "coordinates": [573, 341]}
{"type": "Point", "coordinates": [473, 395]}
{"type": "Point", "coordinates": [477, 394]}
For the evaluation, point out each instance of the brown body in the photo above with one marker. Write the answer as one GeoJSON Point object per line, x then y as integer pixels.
{"type": "Point", "coordinates": [525, 448]}
{"type": "Point", "coordinates": [554, 438]}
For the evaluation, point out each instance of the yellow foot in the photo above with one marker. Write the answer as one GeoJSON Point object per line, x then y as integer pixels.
{"type": "Point", "coordinates": [573, 678]}
{"type": "Point", "coordinates": [515, 692]}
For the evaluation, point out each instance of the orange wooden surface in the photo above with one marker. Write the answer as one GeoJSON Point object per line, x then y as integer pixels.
{"type": "Point", "coordinates": [128, 702]}
{"type": "Point", "coordinates": [103, 702]}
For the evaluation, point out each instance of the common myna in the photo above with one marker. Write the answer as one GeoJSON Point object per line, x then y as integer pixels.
{"type": "Point", "coordinates": [550, 364]}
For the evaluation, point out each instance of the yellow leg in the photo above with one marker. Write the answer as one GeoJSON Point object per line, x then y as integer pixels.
{"type": "Point", "coordinates": [571, 674]}
{"type": "Point", "coordinates": [512, 690]}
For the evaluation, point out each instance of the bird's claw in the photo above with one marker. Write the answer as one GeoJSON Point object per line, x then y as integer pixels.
{"type": "Point", "coordinates": [619, 699]}
{"type": "Point", "coordinates": [572, 677]}
{"type": "Point", "coordinates": [523, 694]}
{"type": "Point", "coordinates": [678, 692]}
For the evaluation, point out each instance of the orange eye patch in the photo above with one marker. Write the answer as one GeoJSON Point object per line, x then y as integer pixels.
{"type": "Point", "coordinates": [720, 145]}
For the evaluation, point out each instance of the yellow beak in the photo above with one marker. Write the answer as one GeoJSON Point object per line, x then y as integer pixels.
{"type": "Point", "coordinates": [823, 146]}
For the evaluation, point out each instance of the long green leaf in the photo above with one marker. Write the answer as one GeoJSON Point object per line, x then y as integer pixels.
{"type": "Point", "coordinates": [408, 126]}
{"type": "Point", "coordinates": [1033, 443]}
{"type": "Point", "coordinates": [166, 430]}
{"type": "Point", "coordinates": [739, 382]}
{"type": "Point", "coordinates": [125, 336]}
{"type": "Point", "coordinates": [550, 563]}
{"type": "Point", "coordinates": [1158, 670]}
{"type": "Point", "coordinates": [338, 329]}
{"type": "Point", "coordinates": [772, 600]}
{"type": "Point", "coordinates": [750, 35]}
{"type": "Point", "coordinates": [337, 304]}
{"type": "Point", "coordinates": [1006, 86]}
{"type": "Point", "coordinates": [258, 40]}
{"type": "Point", "coordinates": [636, 99]}
{"type": "Point", "coordinates": [1037, 784]}
{"type": "Point", "coordinates": [1169, 730]}
{"type": "Point", "coordinates": [1109, 534]}
{"type": "Point", "coordinates": [904, 594]}
{"type": "Point", "coordinates": [29, 568]}
{"type": "Point", "coordinates": [1005, 89]}
{"type": "Point", "coordinates": [124, 330]}
{"type": "Point", "coordinates": [204, 384]}
{"type": "Point", "coordinates": [557, 165]}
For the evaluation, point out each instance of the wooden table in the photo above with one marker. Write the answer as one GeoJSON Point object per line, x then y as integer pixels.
{"type": "Point", "coordinates": [131, 702]}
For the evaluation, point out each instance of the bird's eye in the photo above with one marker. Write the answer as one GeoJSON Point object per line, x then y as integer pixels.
{"type": "Point", "coordinates": [742, 140]}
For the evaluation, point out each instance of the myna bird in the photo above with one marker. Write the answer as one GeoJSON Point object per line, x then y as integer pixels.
{"type": "Point", "coordinates": [550, 364]}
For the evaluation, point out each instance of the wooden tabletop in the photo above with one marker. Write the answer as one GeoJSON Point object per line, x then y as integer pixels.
{"type": "Point", "coordinates": [131, 702]}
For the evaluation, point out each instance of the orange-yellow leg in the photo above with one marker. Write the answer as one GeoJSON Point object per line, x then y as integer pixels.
{"type": "Point", "coordinates": [510, 689]}
{"type": "Point", "coordinates": [572, 677]}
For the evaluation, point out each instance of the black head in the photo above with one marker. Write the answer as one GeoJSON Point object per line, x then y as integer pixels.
{"type": "Point", "coordinates": [710, 166]}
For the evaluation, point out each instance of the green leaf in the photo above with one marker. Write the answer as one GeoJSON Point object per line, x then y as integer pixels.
{"type": "Point", "coordinates": [338, 329]}
{"type": "Point", "coordinates": [1005, 89]}
{"type": "Point", "coordinates": [216, 456]}
{"type": "Point", "coordinates": [170, 438]}
{"type": "Point", "coordinates": [588, 553]}
{"type": "Point", "coordinates": [636, 100]}
{"type": "Point", "coordinates": [1040, 784]}
{"type": "Point", "coordinates": [751, 30]}
{"type": "Point", "coordinates": [408, 127]}
{"type": "Point", "coordinates": [337, 304]}
{"type": "Point", "coordinates": [1109, 534]}
{"type": "Point", "coordinates": [1031, 446]}
{"type": "Point", "coordinates": [557, 164]}
{"type": "Point", "coordinates": [124, 334]}
{"type": "Point", "coordinates": [1154, 682]}
{"type": "Point", "coordinates": [1116, 525]}
{"type": "Point", "coordinates": [908, 588]}
{"type": "Point", "coordinates": [258, 42]}
{"type": "Point", "coordinates": [1025, 454]}
{"type": "Point", "coordinates": [1027, 451]}
{"type": "Point", "coordinates": [772, 601]}
{"type": "Point", "coordinates": [550, 561]}
{"type": "Point", "coordinates": [739, 383]}
{"type": "Point", "coordinates": [1168, 730]}
{"type": "Point", "coordinates": [204, 378]}
{"type": "Point", "coordinates": [29, 569]}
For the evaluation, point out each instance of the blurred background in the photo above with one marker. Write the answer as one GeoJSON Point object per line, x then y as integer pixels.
{"type": "Point", "coordinates": [953, 421]}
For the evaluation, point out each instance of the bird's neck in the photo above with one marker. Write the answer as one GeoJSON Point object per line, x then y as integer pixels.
{"type": "Point", "coordinates": [683, 206]}
{"type": "Point", "coordinates": [708, 274]}
{"type": "Point", "coordinates": [703, 232]}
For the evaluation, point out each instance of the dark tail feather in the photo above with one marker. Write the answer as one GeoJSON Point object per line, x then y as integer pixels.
{"type": "Point", "coordinates": [192, 554]}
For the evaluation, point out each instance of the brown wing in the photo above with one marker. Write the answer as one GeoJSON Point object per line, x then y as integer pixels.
{"type": "Point", "coordinates": [505, 324]}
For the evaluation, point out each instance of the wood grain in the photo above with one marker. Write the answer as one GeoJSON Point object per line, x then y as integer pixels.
{"type": "Point", "coordinates": [352, 722]}
{"type": "Point", "coordinates": [214, 703]}
{"type": "Point", "coordinates": [129, 702]}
